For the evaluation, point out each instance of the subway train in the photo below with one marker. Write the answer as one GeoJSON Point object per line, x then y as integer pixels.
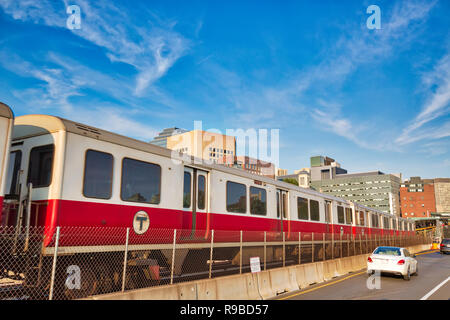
{"type": "Point", "coordinates": [60, 173]}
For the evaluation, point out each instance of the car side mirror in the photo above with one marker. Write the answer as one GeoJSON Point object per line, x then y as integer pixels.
{"type": "Point", "coordinates": [413, 255]}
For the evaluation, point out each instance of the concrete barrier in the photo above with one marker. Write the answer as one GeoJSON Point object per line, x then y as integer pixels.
{"type": "Point", "coordinates": [310, 271]}
{"type": "Point", "coordinates": [300, 276]}
{"type": "Point", "coordinates": [261, 285]}
{"type": "Point", "coordinates": [207, 289]}
{"type": "Point", "coordinates": [282, 280]}
{"type": "Point", "coordinates": [187, 291]}
{"type": "Point", "coordinates": [238, 287]}
{"type": "Point", "coordinates": [329, 270]}
{"type": "Point", "coordinates": [264, 286]}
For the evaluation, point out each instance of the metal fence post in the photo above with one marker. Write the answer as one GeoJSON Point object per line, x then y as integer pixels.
{"type": "Point", "coordinates": [348, 245]}
{"type": "Point", "coordinates": [284, 250]}
{"type": "Point", "coordinates": [55, 256]}
{"type": "Point", "coordinates": [312, 246]}
{"type": "Point", "coordinates": [265, 247]}
{"type": "Point", "coordinates": [240, 255]}
{"type": "Point", "coordinates": [173, 255]}
{"type": "Point", "coordinates": [211, 254]}
{"type": "Point", "coordinates": [332, 245]}
{"type": "Point", "coordinates": [354, 244]}
{"type": "Point", "coordinates": [125, 260]}
{"type": "Point", "coordinates": [299, 248]}
{"type": "Point", "coordinates": [324, 254]}
{"type": "Point", "coordinates": [360, 244]}
{"type": "Point", "coordinates": [340, 241]}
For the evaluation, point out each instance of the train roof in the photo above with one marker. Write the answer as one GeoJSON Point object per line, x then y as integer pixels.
{"type": "Point", "coordinates": [5, 111]}
{"type": "Point", "coordinates": [35, 125]}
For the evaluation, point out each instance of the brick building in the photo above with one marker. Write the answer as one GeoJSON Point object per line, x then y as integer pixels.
{"type": "Point", "coordinates": [417, 198]}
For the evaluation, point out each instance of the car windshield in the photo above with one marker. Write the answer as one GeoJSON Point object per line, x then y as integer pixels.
{"type": "Point", "coordinates": [388, 251]}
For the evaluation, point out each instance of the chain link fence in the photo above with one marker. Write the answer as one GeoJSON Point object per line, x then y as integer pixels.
{"type": "Point", "coordinates": [76, 262]}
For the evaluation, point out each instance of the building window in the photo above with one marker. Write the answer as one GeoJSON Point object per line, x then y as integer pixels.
{"type": "Point", "coordinates": [314, 210]}
{"type": "Point", "coordinates": [141, 181]}
{"type": "Point", "coordinates": [236, 197]}
{"type": "Point", "coordinates": [98, 175]}
{"type": "Point", "coordinates": [258, 202]}
{"type": "Point", "coordinates": [41, 166]}
{"type": "Point", "coordinates": [302, 208]}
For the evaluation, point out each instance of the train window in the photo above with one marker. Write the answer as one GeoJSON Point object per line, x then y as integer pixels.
{"type": "Point", "coordinates": [348, 215]}
{"type": "Point", "coordinates": [374, 221]}
{"type": "Point", "coordinates": [394, 224]}
{"type": "Point", "coordinates": [41, 166]}
{"type": "Point", "coordinates": [98, 175]}
{"type": "Point", "coordinates": [236, 197]}
{"type": "Point", "coordinates": [361, 218]}
{"type": "Point", "coordinates": [187, 190]}
{"type": "Point", "coordinates": [314, 210]}
{"type": "Point", "coordinates": [141, 181]}
{"type": "Point", "coordinates": [15, 160]}
{"type": "Point", "coordinates": [341, 218]}
{"type": "Point", "coordinates": [302, 208]}
{"type": "Point", "coordinates": [258, 202]}
{"type": "Point", "coordinates": [201, 192]}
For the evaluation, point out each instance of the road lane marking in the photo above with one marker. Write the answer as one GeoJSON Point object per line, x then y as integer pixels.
{"type": "Point", "coordinates": [429, 294]}
{"type": "Point", "coordinates": [418, 254]}
{"type": "Point", "coordinates": [322, 286]}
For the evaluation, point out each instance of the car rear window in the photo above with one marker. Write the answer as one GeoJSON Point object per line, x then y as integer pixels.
{"type": "Point", "coordinates": [445, 241]}
{"type": "Point", "coordinates": [388, 251]}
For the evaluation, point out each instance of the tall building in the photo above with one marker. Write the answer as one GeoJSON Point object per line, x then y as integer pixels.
{"type": "Point", "coordinates": [442, 195]}
{"type": "Point", "coordinates": [161, 138]}
{"type": "Point", "coordinates": [252, 165]}
{"type": "Point", "coordinates": [204, 145]}
{"type": "Point", "coordinates": [281, 172]}
{"type": "Point", "coordinates": [373, 189]}
{"type": "Point", "coordinates": [417, 198]}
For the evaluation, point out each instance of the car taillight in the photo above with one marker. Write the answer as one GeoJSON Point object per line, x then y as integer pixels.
{"type": "Point", "coordinates": [369, 259]}
{"type": "Point", "coordinates": [442, 244]}
{"type": "Point", "coordinates": [401, 262]}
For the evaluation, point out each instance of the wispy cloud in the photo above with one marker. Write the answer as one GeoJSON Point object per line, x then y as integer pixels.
{"type": "Point", "coordinates": [152, 51]}
{"type": "Point", "coordinates": [438, 105]}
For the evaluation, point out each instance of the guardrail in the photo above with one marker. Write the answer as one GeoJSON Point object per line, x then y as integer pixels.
{"type": "Point", "coordinates": [82, 261]}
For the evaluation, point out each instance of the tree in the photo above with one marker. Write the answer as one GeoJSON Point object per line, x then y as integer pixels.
{"type": "Point", "coordinates": [291, 181]}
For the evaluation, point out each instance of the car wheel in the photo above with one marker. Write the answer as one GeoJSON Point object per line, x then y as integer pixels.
{"type": "Point", "coordinates": [407, 276]}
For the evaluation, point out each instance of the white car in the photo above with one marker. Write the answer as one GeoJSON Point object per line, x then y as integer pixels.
{"type": "Point", "coordinates": [392, 260]}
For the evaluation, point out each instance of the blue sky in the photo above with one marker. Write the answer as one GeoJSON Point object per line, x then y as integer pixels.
{"type": "Point", "coordinates": [371, 99]}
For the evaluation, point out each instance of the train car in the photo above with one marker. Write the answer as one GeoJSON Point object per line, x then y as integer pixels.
{"type": "Point", "coordinates": [71, 175]}
{"type": "Point", "coordinates": [6, 125]}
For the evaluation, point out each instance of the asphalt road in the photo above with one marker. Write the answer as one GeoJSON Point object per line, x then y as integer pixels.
{"type": "Point", "coordinates": [434, 270]}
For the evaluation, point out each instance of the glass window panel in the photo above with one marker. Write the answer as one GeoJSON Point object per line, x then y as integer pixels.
{"type": "Point", "coordinates": [201, 187]}
{"type": "Point", "coordinates": [302, 208]}
{"type": "Point", "coordinates": [187, 190]}
{"type": "Point", "coordinates": [98, 175]}
{"type": "Point", "coordinates": [41, 166]}
{"type": "Point", "coordinates": [314, 210]}
{"type": "Point", "coordinates": [258, 201]}
{"type": "Point", "coordinates": [141, 181]}
{"type": "Point", "coordinates": [341, 218]}
{"type": "Point", "coordinates": [236, 197]}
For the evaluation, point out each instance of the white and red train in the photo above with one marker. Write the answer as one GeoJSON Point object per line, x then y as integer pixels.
{"type": "Point", "coordinates": [82, 176]}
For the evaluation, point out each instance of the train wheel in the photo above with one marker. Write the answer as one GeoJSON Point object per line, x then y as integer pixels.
{"type": "Point", "coordinates": [88, 286]}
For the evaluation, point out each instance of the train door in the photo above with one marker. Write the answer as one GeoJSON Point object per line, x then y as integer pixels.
{"type": "Point", "coordinates": [327, 215]}
{"type": "Point", "coordinates": [195, 199]}
{"type": "Point", "coordinates": [282, 209]}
